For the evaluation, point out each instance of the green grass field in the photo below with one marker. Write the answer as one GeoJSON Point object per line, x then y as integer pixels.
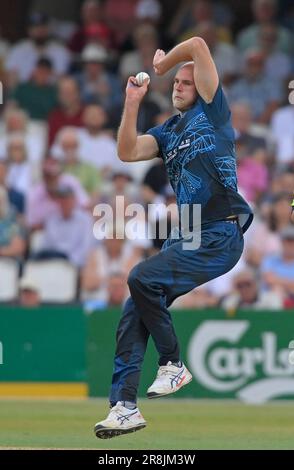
{"type": "Point", "coordinates": [171, 424]}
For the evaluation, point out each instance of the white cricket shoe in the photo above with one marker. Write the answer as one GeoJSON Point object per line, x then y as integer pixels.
{"type": "Point", "coordinates": [120, 420]}
{"type": "Point", "coordinates": [169, 379]}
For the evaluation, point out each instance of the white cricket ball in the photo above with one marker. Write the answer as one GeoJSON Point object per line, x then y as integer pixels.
{"type": "Point", "coordinates": [140, 77]}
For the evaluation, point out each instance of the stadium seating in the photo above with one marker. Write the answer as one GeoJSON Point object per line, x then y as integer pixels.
{"type": "Point", "coordinates": [56, 279]}
{"type": "Point", "coordinates": [9, 269]}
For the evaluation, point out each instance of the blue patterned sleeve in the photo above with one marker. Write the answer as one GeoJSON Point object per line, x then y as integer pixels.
{"type": "Point", "coordinates": [218, 111]}
{"type": "Point", "coordinates": [156, 133]}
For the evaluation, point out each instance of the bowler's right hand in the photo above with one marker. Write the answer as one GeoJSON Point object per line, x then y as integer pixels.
{"type": "Point", "coordinates": [135, 92]}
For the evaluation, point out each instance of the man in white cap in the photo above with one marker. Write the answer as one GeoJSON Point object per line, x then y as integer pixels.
{"type": "Point", "coordinates": [97, 84]}
{"type": "Point", "coordinates": [29, 294]}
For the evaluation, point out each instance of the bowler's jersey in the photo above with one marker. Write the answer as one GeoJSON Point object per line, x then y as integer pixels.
{"type": "Point", "coordinates": [199, 154]}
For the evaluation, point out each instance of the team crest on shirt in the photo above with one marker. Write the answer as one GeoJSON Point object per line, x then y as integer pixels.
{"type": "Point", "coordinates": [173, 153]}
{"type": "Point", "coordinates": [184, 144]}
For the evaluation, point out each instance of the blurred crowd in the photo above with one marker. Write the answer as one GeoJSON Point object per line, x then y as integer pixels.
{"type": "Point", "coordinates": [63, 96]}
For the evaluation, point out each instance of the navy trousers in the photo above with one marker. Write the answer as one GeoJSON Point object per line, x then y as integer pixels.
{"type": "Point", "coordinates": [154, 284]}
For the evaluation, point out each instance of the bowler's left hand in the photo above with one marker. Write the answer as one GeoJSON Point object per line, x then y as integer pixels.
{"type": "Point", "coordinates": [157, 61]}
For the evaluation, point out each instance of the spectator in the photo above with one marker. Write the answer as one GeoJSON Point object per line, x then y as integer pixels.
{"type": "Point", "coordinates": [70, 110]}
{"type": "Point", "coordinates": [67, 149]}
{"type": "Point", "coordinates": [145, 40]}
{"type": "Point", "coordinates": [224, 55]}
{"type": "Point", "coordinates": [116, 293]}
{"type": "Point", "coordinates": [17, 121]}
{"type": "Point", "coordinates": [91, 15]}
{"type": "Point", "coordinates": [15, 198]}
{"type": "Point", "coordinates": [264, 12]}
{"type": "Point", "coordinates": [202, 11]}
{"type": "Point", "coordinates": [96, 83]}
{"type": "Point", "coordinates": [246, 142]}
{"type": "Point", "coordinates": [67, 233]}
{"type": "Point", "coordinates": [255, 164]}
{"type": "Point", "coordinates": [263, 238]}
{"type": "Point", "coordinates": [100, 35]}
{"type": "Point", "coordinates": [12, 240]}
{"type": "Point", "coordinates": [120, 184]}
{"type": "Point", "coordinates": [283, 181]}
{"type": "Point", "coordinates": [199, 298]}
{"type": "Point", "coordinates": [29, 295]}
{"type": "Point", "coordinates": [19, 176]}
{"type": "Point", "coordinates": [41, 202]}
{"type": "Point", "coordinates": [120, 207]}
{"type": "Point", "coordinates": [277, 63]}
{"type": "Point", "coordinates": [282, 128]}
{"type": "Point", "coordinates": [278, 216]}
{"type": "Point", "coordinates": [262, 94]}
{"type": "Point", "coordinates": [247, 294]}
{"type": "Point", "coordinates": [116, 289]}
{"type": "Point", "coordinates": [149, 10]}
{"type": "Point", "coordinates": [120, 17]}
{"type": "Point", "coordinates": [278, 270]}
{"type": "Point", "coordinates": [37, 96]}
{"type": "Point", "coordinates": [113, 254]}
{"type": "Point", "coordinates": [23, 57]}
{"type": "Point", "coordinates": [97, 147]}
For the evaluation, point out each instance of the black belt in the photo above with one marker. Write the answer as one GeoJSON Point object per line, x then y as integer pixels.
{"type": "Point", "coordinates": [233, 220]}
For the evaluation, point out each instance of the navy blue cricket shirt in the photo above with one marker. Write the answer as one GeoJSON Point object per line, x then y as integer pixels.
{"type": "Point", "coordinates": [198, 149]}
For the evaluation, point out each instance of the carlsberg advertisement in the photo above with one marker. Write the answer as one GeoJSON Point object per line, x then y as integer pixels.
{"type": "Point", "coordinates": [239, 358]}
{"type": "Point", "coordinates": [247, 357]}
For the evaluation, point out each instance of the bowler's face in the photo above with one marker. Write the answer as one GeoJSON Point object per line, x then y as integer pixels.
{"type": "Point", "coordinates": [184, 91]}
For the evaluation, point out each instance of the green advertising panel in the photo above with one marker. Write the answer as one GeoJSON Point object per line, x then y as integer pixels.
{"type": "Point", "coordinates": [246, 357]}
{"type": "Point", "coordinates": [42, 344]}
{"type": "Point", "coordinates": [249, 356]}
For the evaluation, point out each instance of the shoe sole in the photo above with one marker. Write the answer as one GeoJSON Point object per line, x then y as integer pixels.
{"type": "Point", "coordinates": [107, 433]}
{"type": "Point", "coordinates": [152, 395]}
